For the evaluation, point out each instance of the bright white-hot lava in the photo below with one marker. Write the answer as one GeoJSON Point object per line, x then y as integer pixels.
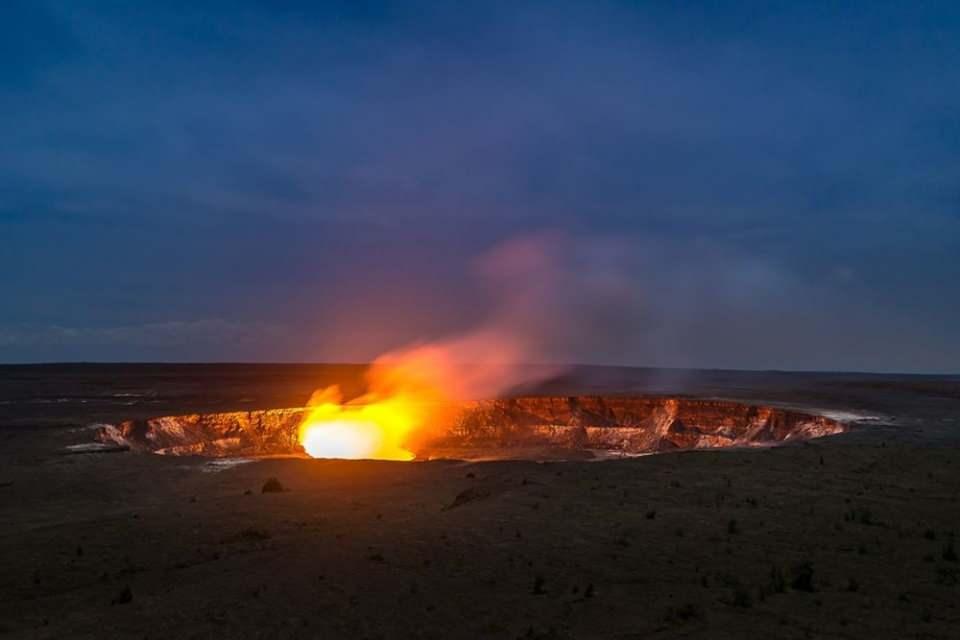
{"type": "Point", "coordinates": [370, 428]}
{"type": "Point", "coordinates": [352, 439]}
{"type": "Point", "coordinates": [409, 391]}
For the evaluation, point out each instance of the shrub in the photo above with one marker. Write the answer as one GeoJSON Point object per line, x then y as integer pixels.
{"type": "Point", "coordinates": [741, 598]}
{"type": "Point", "coordinates": [803, 577]}
{"type": "Point", "coordinates": [684, 613]}
{"type": "Point", "coordinates": [949, 552]}
{"type": "Point", "coordinates": [777, 582]}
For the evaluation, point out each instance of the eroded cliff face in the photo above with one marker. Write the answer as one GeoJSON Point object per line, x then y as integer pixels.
{"type": "Point", "coordinates": [629, 425]}
{"type": "Point", "coordinates": [264, 432]}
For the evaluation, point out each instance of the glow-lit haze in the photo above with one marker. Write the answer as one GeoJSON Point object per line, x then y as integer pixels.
{"type": "Point", "coordinates": [745, 185]}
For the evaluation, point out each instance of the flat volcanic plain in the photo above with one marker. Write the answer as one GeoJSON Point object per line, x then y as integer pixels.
{"type": "Point", "coordinates": [848, 536]}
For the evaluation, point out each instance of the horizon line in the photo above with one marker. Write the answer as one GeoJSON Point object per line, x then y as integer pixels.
{"type": "Point", "coordinates": [54, 363]}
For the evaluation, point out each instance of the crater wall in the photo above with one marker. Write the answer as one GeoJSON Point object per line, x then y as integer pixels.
{"type": "Point", "coordinates": [627, 424]}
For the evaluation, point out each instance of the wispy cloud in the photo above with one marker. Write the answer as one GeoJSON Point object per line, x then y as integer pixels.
{"type": "Point", "coordinates": [159, 334]}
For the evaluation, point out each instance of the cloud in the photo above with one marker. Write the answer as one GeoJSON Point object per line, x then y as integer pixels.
{"type": "Point", "coordinates": [159, 334]}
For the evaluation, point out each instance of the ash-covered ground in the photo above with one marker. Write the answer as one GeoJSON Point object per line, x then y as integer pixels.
{"type": "Point", "coordinates": [851, 536]}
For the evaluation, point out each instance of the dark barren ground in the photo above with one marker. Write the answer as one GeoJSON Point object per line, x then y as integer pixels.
{"type": "Point", "coordinates": [846, 537]}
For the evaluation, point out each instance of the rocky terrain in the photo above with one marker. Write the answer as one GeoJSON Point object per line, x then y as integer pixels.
{"type": "Point", "coordinates": [849, 536]}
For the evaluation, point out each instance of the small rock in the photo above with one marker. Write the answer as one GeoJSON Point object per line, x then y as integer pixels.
{"type": "Point", "coordinates": [124, 597]}
{"type": "Point", "coordinates": [272, 485]}
{"type": "Point", "coordinates": [468, 495]}
{"type": "Point", "coordinates": [251, 534]}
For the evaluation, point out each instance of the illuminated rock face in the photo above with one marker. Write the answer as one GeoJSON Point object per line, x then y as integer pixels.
{"type": "Point", "coordinates": [632, 424]}
{"type": "Point", "coordinates": [265, 432]}
{"type": "Point", "coordinates": [610, 423]}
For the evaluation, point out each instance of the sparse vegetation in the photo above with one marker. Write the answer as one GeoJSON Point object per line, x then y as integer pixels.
{"type": "Point", "coordinates": [949, 551]}
{"type": "Point", "coordinates": [124, 597]}
{"type": "Point", "coordinates": [778, 583]}
{"type": "Point", "coordinates": [802, 577]}
{"type": "Point", "coordinates": [742, 598]}
{"type": "Point", "coordinates": [948, 576]}
{"type": "Point", "coordinates": [250, 534]}
{"type": "Point", "coordinates": [861, 515]}
{"type": "Point", "coordinates": [684, 613]}
{"type": "Point", "coordinates": [538, 589]}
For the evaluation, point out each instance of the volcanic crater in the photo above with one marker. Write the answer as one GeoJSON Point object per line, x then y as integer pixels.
{"type": "Point", "coordinates": [533, 427]}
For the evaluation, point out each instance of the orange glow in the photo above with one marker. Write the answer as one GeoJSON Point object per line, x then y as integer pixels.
{"type": "Point", "coordinates": [372, 431]}
{"type": "Point", "coordinates": [409, 392]}
{"type": "Point", "coordinates": [405, 394]}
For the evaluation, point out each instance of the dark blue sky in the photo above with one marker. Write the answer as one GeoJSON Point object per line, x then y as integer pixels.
{"type": "Point", "coordinates": [771, 184]}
